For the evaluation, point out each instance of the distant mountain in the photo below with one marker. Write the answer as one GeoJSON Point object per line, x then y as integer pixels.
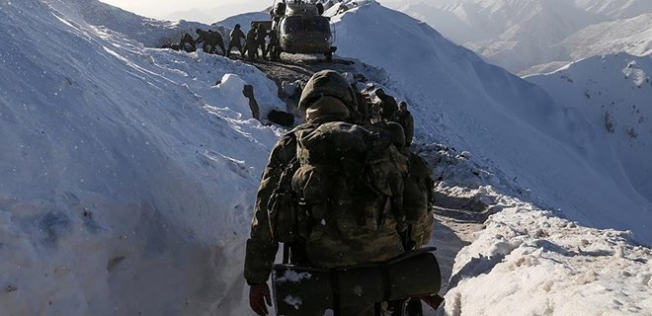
{"type": "Point", "coordinates": [522, 35]}
{"type": "Point", "coordinates": [614, 93]}
{"type": "Point", "coordinates": [244, 19]}
{"type": "Point", "coordinates": [633, 36]}
{"type": "Point", "coordinates": [217, 12]}
{"type": "Point", "coordinates": [191, 15]}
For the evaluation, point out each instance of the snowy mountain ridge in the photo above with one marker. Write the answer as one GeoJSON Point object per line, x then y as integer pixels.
{"type": "Point", "coordinates": [521, 35]}
{"type": "Point", "coordinates": [128, 175]}
{"type": "Point", "coordinates": [614, 92]}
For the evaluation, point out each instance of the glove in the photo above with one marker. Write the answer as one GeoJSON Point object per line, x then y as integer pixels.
{"type": "Point", "coordinates": [259, 299]}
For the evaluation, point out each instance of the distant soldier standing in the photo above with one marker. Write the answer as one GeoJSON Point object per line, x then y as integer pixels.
{"type": "Point", "coordinates": [251, 48]}
{"type": "Point", "coordinates": [274, 47]}
{"type": "Point", "coordinates": [261, 34]}
{"type": "Point", "coordinates": [234, 40]}
{"type": "Point", "coordinates": [404, 117]}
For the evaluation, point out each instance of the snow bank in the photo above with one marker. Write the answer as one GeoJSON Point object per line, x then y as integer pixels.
{"type": "Point", "coordinates": [530, 262]}
{"type": "Point", "coordinates": [127, 176]}
{"type": "Point", "coordinates": [523, 260]}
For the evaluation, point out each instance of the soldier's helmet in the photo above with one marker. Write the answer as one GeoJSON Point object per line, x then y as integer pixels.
{"type": "Point", "coordinates": [327, 84]}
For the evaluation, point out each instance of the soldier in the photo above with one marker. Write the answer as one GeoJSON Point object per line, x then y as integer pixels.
{"type": "Point", "coordinates": [187, 43]}
{"type": "Point", "coordinates": [234, 40]}
{"type": "Point", "coordinates": [261, 34]}
{"type": "Point", "coordinates": [251, 47]}
{"type": "Point", "coordinates": [274, 47]}
{"type": "Point", "coordinates": [404, 117]}
{"type": "Point", "coordinates": [388, 106]}
{"type": "Point", "coordinates": [418, 197]}
{"type": "Point", "coordinates": [329, 218]}
{"type": "Point", "coordinates": [211, 41]}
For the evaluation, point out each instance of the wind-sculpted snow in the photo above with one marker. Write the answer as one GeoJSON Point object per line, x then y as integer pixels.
{"type": "Point", "coordinates": [149, 32]}
{"type": "Point", "coordinates": [530, 262]}
{"type": "Point", "coordinates": [526, 261]}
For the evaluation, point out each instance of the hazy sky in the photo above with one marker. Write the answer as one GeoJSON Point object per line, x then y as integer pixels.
{"type": "Point", "coordinates": [163, 8]}
{"type": "Point", "coordinates": [206, 11]}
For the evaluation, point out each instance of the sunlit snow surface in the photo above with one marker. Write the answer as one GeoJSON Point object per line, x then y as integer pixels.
{"type": "Point", "coordinates": [127, 176]}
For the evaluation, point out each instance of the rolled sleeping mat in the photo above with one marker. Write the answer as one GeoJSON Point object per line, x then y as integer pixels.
{"type": "Point", "coordinates": [309, 291]}
{"type": "Point", "coordinates": [301, 291]}
{"type": "Point", "coordinates": [415, 274]}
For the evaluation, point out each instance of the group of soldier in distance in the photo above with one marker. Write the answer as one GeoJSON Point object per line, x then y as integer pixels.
{"type": "Point", "coordinates": [256, 44]}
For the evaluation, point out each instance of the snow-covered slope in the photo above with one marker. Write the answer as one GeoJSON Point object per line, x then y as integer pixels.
{"type": "Point", "coordinates": [514, 127]}
{"type": "Point", "coordinates": [633, 36]}
{"type": "Point", "coordinates": [519, 35]}
{"type": "Point", "coordinates": [127, 176]}
{"type": "Point", "coordinates": [615, 9]}
{"type": "Point", "coordinates": [614, 92]}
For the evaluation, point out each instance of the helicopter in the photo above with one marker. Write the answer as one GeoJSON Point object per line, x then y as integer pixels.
{"type": "Point", "coordinates": [301, 28]}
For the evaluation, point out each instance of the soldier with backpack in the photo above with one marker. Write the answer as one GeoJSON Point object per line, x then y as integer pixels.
{"type": "Point", "coordinates": [404, 117]}
{"type": "Point", "coordinates": [388, 105]}
{"type": "Point", "coordinates": [333, 194]}
{"type": "Point", "coordinates": [187, 43]}
{"type": "Point", "coordinates": [211, 41]}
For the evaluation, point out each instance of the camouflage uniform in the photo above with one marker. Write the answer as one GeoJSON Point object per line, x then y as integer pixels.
{"type": "Point", "coordinates": [388, 105]}
{"type": "Point", "coordinates": [250, 46]}
{"type": "Point", "coordinates": [187, 43]}
{"type": "Point", "coordinates": [211, 41]}
{"type": "Point", "coordinates": [261, 34]}
{"type": "Point", "coordinates": [274, 47]}
{"type": "Point", "coordinates": [234, 40]}
{"type": "Point", "coordinates": [407, 122]}
{"type": "Point", "coordinates": [418, 196]}
{"type": "Point", "coordinates": [418, 200]}
{"type": "Point", "coordinates": [318, 247]}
